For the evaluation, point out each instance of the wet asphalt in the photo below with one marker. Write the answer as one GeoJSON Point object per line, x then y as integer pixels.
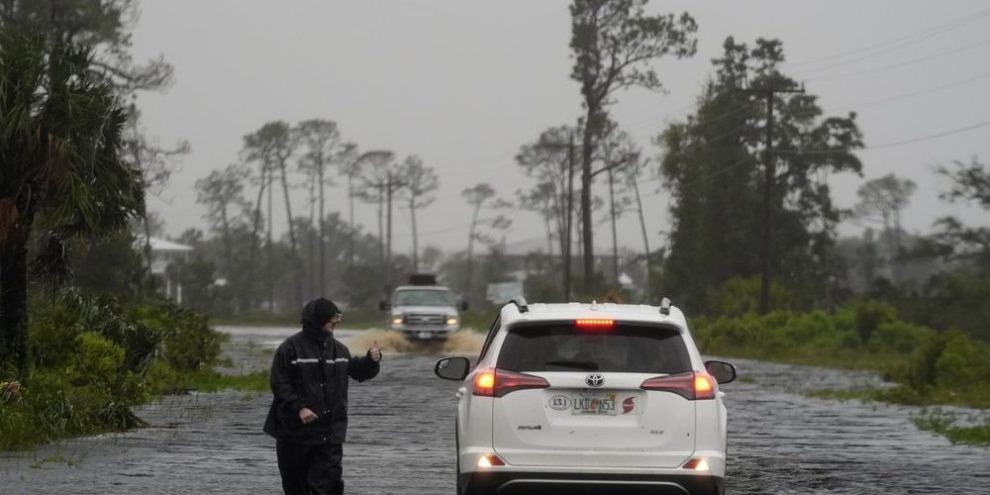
{"type": "Point", "coordinates": [401, 439]}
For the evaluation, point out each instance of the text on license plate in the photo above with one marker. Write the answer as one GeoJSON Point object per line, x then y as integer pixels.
{"type": "Point", "coordinates": [599, 405]}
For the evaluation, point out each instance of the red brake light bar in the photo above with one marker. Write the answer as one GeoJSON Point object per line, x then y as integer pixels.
{"type": "Point", "coordinates": [594, 324]}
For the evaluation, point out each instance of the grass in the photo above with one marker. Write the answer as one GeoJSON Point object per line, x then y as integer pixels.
{"type": "Point", "coordinates": [211, 381]}
{"type": "Point", "coordinates": [905, 395]}
{"type": "Point", "coordinates": [943, 423]}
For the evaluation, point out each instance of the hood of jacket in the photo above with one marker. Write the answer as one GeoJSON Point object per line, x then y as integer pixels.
{"type": "Point", "coordinates": [317, 313]}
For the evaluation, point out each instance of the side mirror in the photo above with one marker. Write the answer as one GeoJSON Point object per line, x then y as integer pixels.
{"type": "Point", "coordinates": [463, 306]}
{"type": "Point", "coordinates": [722, 371]}
{"type": "Point", "coordinates": [453, 368]}
{"type": "Point", "coordinates": [384, 305]}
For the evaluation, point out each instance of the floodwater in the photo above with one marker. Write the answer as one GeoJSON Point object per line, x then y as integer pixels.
{"type": "Point", "coordinates": [401, 436]}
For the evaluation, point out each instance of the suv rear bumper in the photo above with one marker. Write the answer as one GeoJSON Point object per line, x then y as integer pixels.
{"type": "Point", "coordinates": [508, 483]}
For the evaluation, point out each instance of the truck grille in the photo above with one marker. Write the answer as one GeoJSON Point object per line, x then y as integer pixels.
{"type": "Point", "coordinates": [420, 320]}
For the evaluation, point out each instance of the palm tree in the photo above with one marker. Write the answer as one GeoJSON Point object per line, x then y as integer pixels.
{"type": "Point", "coordinates": [60, 168]}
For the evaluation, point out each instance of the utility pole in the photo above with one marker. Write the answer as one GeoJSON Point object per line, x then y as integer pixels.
{"type": "Point", "coordinates": [388, 231]}
{"type": "Point", "coordinates": [769, 175]}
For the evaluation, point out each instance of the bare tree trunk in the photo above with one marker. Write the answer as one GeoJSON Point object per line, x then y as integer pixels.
{"type": "Point", "coordinates": [323, 235]}
{"type": "Point", "coordinates": [587, 152]}
{"type": "Point", "coordinates": [288, 208]}
{"type": "Point", "coordinates": [252, 259]}
{"type": "Point", "coordinates": [415, 239]}
{"type": "Point", "coordinates": [568, 242]}
{"type": "Point", "coordinates": [350, 222]}
{"type": "Point", "coordinates": [615, 239]}
{"type": "Point", "coordinates": [296, 260]}
{"type": "Point", "coordinates": [470, 253]}
{"type": "Point", "coordinates": [312, 243]}
{"type": "Point", "coordinates": [888, 232]}
{"type": "Point", "coordinates": [646, 241]}
{"type": "Point", "coordinates": [271, 257]}
{"type": "Point", "coordinates": [896, 255]}
{"type": "Point", "coordinates": [227, 249]}
{"type": "Point", "coordinates": [546, 224]}
{"type": "Point", "coordinates": [579, 230]}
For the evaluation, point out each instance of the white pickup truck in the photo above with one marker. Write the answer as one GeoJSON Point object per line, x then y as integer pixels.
{"type": "Point", "coordinates": [423, 310]}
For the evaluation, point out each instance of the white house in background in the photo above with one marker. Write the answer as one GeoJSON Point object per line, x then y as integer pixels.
{"type": "Point", "coordinates": [163, 254]}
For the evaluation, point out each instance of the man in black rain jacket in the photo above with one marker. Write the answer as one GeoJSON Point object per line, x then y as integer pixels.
{"type": "Point", "coordinates": [308, 416]}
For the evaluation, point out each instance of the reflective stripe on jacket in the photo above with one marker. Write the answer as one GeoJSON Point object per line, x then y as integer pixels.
{"type": "Point", "coordinates": [312, 370]}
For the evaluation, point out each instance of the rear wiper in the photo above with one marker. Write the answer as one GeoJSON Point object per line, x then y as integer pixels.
{"type": "Point", "coordinates": [581, 365]}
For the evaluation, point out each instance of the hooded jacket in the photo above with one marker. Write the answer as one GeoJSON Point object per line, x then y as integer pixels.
{"type": "Point", "coordinates": [311, 369]}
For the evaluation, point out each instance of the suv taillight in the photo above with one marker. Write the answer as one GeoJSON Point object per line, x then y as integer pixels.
{"type": "Point", "coordinates": [693, 385]}
{"type": "Point", "coordinates": [497, 383]}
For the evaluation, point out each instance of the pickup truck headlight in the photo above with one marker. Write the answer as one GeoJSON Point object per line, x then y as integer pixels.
{"type": "Point", "coordinates": [396, 320]}
{"type": "Point", "coordinates": [451, 320]}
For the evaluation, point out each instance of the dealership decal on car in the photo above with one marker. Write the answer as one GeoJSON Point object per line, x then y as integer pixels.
{"type": "Point", "coordinates": [560, 403]}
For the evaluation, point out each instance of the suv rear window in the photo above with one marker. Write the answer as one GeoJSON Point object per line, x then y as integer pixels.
{"type": "Point", "coordinates": [623, 348]}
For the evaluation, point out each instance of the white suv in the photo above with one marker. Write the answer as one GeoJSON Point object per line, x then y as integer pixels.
{"type": "Point", "coordinates": [589, 398]}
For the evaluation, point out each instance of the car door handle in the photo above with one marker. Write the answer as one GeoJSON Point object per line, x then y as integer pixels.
{"type": "Point", "coordinates": [460, 392]}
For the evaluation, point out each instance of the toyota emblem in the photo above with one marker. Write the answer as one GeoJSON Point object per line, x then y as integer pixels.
{"type": "Point", "coordinates": [595, 380]}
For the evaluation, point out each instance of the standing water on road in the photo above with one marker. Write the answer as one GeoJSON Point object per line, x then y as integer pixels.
{"type": "Point", "coordinates": [401, 436]}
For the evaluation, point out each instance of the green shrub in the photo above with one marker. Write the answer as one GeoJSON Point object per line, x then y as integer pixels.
{"type": "Point", "coordinates": [92, 360]}
{"type": "Point", "coordinates": [55, 324]}
{"type": "Point", "coordinates": [741, 295]}
{"type": "Point", "coordinates": [962, 364]}
{"type": "Point", "coordinates": [869, 316]}
{"type": "Point", "coordinates": [188, 342]}
{"type": "Point", "coordinates": [899, 337]}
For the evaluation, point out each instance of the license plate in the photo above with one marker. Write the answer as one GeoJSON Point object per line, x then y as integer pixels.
{"type": "Point", "coordinates": [425, 335]}
{"type": "Point", "coordinates": [594, 405]}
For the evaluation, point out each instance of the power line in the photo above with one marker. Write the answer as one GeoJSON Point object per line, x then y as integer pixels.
{"type": "Point", "coordinates": [880, 48]}
{"type": "Point", "coordinates": [916, 93]}
{"type": "Point", "coordinates": [901, 41]}
{"type": "Point", "coordinates": [890, 144]}
{"type": "Point", "coordinates": [905, 96]}
{"type": "Point", "coordinates": [902, 64]}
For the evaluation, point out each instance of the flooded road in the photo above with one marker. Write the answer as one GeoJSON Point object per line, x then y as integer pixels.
{"type": "Point", "coordinates": [401, 438]}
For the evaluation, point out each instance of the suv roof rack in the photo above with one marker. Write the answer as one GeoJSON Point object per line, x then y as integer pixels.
{"type": "Point", "coordinates": [665, 306]}
{"type": "Point", "coordinates": [520, 303]}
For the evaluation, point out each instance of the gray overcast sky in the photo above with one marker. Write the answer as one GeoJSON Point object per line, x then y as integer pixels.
{"type": "Point", "coordinates": [464, 83]}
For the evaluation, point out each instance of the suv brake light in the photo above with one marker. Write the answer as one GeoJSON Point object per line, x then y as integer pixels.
{"type": "Point", "coordinates": [594, 324]}
{"type": "Point", "coordinates": [693, 385]}
{"type": "Point", "coordinates": [497, 383]}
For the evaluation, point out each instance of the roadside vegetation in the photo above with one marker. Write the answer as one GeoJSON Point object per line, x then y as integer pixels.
{"type": "Point", "coordinates": [930, 367]}
{"type": "Point", "coordinates": [91, 360]}
{"type": "Point", "coordinates": [977, 431]}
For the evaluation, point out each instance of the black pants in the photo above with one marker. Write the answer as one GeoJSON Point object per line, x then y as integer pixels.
{"type": "Point", "coordinates": [310, 469]}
